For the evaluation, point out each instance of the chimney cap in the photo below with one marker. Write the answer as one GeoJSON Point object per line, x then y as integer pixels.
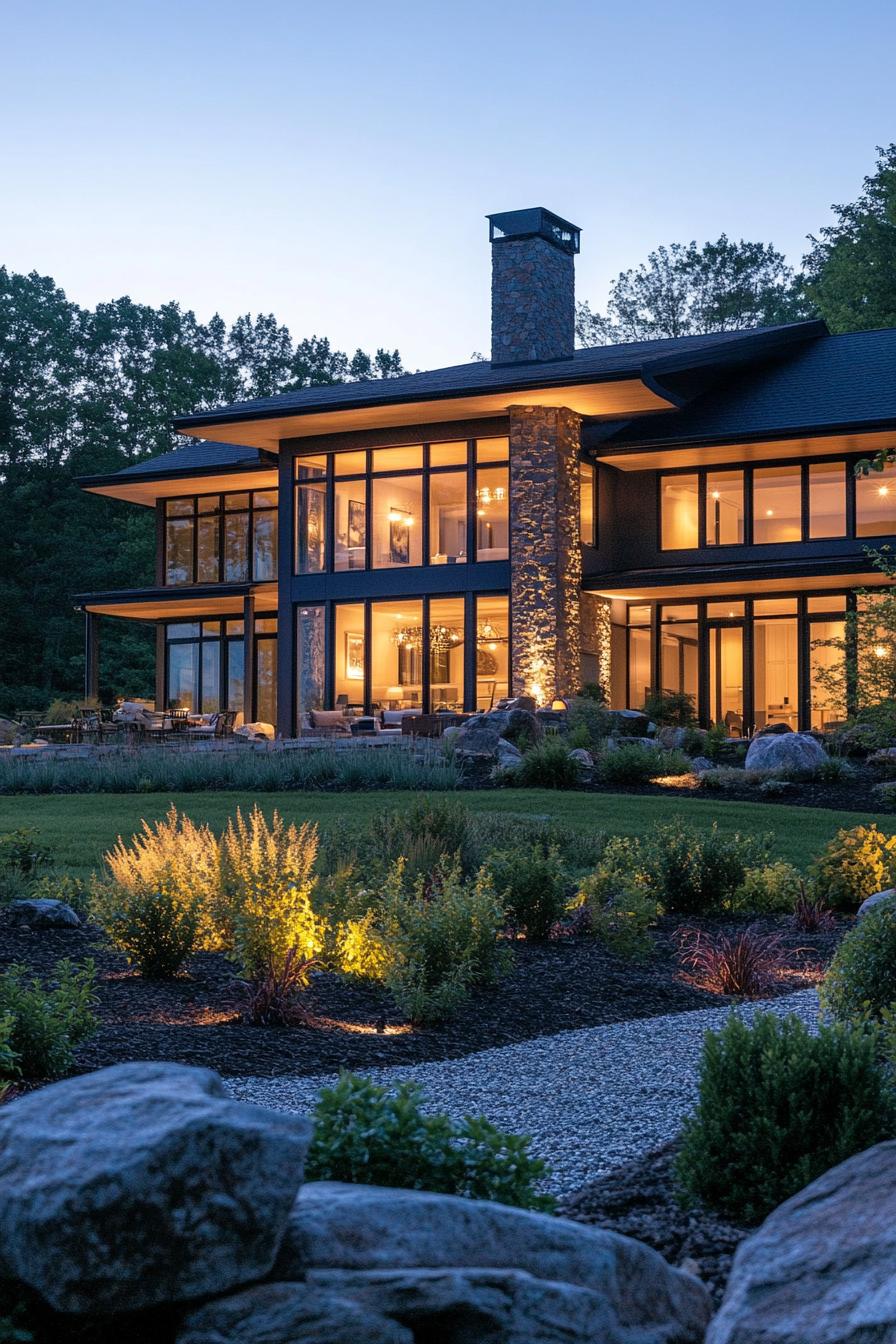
{"type": "Point", "coordinates": [533, 223]}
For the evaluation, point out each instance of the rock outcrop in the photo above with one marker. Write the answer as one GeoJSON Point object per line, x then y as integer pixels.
{"type": "Point", "coordinates": [785, 751]}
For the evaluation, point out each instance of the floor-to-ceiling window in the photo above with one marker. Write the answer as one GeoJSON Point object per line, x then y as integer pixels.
{"type": "Point", "coordinates": [775, 674]}
{"type": "Point", "coordinates": [492, 650]}
{"type": "Point", "coordinates": [396, 654]}
{"type": "Point", "coordinates": [350, 643]}
{"type": "Point", "coordinates": [640, 677]}
{"type": "Point", "coordinates": [446, 653]}
{"type": "Point", "coordinates": [204, 665]}
{"type": "Point", "coordinates": [265, 710]}
{"type": "Point", "coordinates": [827, 681]}
{"type": "Point", "coordinates": [679, 651]}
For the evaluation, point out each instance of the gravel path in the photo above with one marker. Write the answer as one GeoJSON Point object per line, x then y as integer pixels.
{"type": "Point", "coordinates": [590, 1099]}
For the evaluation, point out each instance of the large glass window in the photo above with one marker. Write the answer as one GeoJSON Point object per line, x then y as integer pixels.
{"type": "Point", "coordinates": [827, 499]}
{"type": "Point", "coordinates": [446, 653]}
{"type": "Point", "coordinates": [221, 538]}
{"type": "Point", "coordinates": [310, 661]}
{"type": "Point", "coordinates": [183, 675]}
{"type": "Point", "coordinates": [348, 654]}
{"type": "Point", "coordinates": [724, 508]}
{"type": "Point", "coordinates": [396, 654]}
{"type": "Point", "coordinates": [777, 504]}
{"type": "Point", "coordinates": [311, 515]}
{"type": "Point", "coordinates": [350, 524]}
{"type": "Point", "coordinates": [193, 666]}
{"type": "Point", "coordinates": [826, 666]}
{"type": "Point", "coordinates": [679, 660]}
{"type": "Point", "coordinates": [640, 678]}
{"type": "Point", "coordinates": [726, 678]}
{"type": "Point", "coordinates": [236, 666]}
{"type": "Point", "coordinates": [266, 678]}
{"type": "Point", "coordinates": [587, 504]}
{"type": "Point", "coordinates": [679, 512]}
{"type": "Point", "coordinates": [775, 684]}
{"type": "Point", "coordinates": [397, 515]}
{"type": "Point", "coordinates": [492, 513]}
{"type": "Point", "coordinates": [492, 650]}
{"type": "Point", "coordinates": [875, 505]}
{"type": "Point", "coordinates": [448, 518]}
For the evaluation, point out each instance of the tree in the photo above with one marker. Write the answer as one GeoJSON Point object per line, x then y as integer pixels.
{"type": "Point", "coordinates": [685, 290]}
{"type": "Point", "coordinates": [89, 391]}
{"type": "Point", "coordinates": [851, 269]}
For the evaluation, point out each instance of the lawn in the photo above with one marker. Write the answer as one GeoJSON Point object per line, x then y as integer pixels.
{"type": "Point", "coordinates": [78, 828]}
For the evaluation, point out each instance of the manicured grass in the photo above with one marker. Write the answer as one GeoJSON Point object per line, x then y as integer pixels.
{"type": "Point", "coordinates": [78, 828]}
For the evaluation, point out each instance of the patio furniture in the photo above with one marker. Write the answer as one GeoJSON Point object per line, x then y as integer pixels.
{"type": "Point", "coordinates": [364, 726]}
{"type": "Point", "coordinates": [216, 725]}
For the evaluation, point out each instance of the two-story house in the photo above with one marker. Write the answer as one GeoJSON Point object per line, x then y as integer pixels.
{"type": "Point", "coordinates": [678, 514]}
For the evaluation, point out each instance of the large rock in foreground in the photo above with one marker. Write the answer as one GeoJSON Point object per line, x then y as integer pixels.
{"type": "Point", "coordinates": [822, 1268]}
{"type": "Point", "coordinates": [285, 1313]}
{"type": "Point", "coordinates": [143, 1184]}
{"type": "Point", "coordinates": [786, 751]}
{"type": "Point", "coordinates": [335, 1227]}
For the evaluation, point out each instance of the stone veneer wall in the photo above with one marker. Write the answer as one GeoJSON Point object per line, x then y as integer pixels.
{"type": "Point", "coordinates": [533, 301]}
{"type": "Point", "coordinates": [545, 558]}
{"type": "Point", "coordinates": [597, 635]}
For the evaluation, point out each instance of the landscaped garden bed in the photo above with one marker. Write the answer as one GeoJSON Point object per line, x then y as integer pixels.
{"type": "Point", "coordinates": [562, 985]}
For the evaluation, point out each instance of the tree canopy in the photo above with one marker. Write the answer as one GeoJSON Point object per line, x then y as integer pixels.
{"type": "Point", "coordinates": [851, 267]}
{"type": "Point", "coordinates": [87, 391]}
{"type": "Point", "coordinates": [687, 290]}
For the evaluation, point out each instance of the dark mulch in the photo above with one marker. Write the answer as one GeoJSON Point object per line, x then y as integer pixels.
{"type": "Point", "coordinates": [196, 1019]}
{"type": "Point", "coordinates": [639, 1200]}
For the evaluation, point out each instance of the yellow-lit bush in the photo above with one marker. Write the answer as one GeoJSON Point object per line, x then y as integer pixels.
{"type": "Point", "coordinates": [854, 865]}
{"type": "Point", "coordinates": [267, 879]}
{"type": "Point", "coordinates": [177, 858]}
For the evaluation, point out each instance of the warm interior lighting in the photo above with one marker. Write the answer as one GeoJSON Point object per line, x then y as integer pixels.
{"type": "Point", "coordinates": [716, 494]}
{"type": "Point", "coordinates": [881, 651]}
{"type": "Point", "coordinates": [769, 513]}
{"type": "Point", "coordinates": [396, 517]}
{"type": "Point", "coordinates": [883, 489]}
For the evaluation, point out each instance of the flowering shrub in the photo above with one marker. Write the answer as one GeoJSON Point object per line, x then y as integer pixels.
{"type": "Point", "coordinates": [777, 1108]}
{"type": "Point", "coordinates": [769, 888]}
{"type": "Point", "coordinates": [366, 1134]}
{"type": "Point", "coordinates": [854, 865]}
{"type": "Point", "coordinates": [267, 878]}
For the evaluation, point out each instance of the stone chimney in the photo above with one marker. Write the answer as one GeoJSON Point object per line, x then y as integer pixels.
{"type": "Point", "coordinates": [533, 286]}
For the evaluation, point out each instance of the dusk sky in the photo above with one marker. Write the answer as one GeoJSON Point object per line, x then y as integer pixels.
{"type": "Point", "coordinates": [333, 163]}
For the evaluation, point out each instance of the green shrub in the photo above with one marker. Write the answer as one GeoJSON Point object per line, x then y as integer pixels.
{"type": "Point", "coordinates": [21, 851]}
{"type": "Point", "coordinates": [579, 739]}
{"type": "Point", "coordinates": [424, 832]}
{"type": "Point", "coordinates": [672, 709]}
{"type": "Point", "coordinates": [777, 1108]}
{"type": "Point", "coordinates": [173, 857]}
{"type": "Point", "coordinates": [770, 888]}
{"type": "Point", "coordinates": [854, 865]}
{"type": "Point", "coordinates": [508, 830]}
{"type": "Point", "coordinates": [158, 931]}
{"type": "Point", "coordinates": [533, 885]}
{"type": "Point", "coordinates": [8, 1057]}
{"type": "Point", "coordinates": [621, 920]}
{"type": "Point", "coordinates": [631, 764]}
{"type": "Point", "coordinates": [267, 880]}
{"type": "Point", "coordinates": [438, 940]}
{"type": "Point", "coordinates": [366, 1134]}
{"type": "Point", "coordinates": [589, 720]}
{"type": "Point", "coordinates": [715, 742]}
{"type": "Point", "coordinates": [693, 871]}
{"type": "Point", "coordinates": [861, 978]}
{"type": "Point", "coordinates": [886, 793]}
{"type": "Point", "coordinates": [547, 766]}
{"type": "Point", "coordinates": [592, 690]}
{"type": "Point", "coordinates": [47, 1024]}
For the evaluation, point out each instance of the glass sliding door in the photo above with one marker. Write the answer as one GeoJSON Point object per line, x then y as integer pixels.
{"type": "Point", "coordinates": [827, 679]}
{"type": "Point", "coordinates": [492, 650]}
{"type": "Point", "coordinates": [348, 655]}
{"type": "Point", "coordinates": [775, 672]}
{"type": "Point", "coordinates": [679, 656]}
{"type": "Point", "coordinates": [396, 655]}
{"type": "Point", "coordinates": [726, 677]}
{"type": "Point", "coordinates": [446, 653]}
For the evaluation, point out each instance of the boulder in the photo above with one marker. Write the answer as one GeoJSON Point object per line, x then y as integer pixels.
{"type": "Point", "coordinates": [283, 1313]}
{"type": "Point", "coordinates": [143, 1184]}
{"type": "Point", "coordinates": [500, 1306]}
{"type": "Point", "coordinates": [672, 738]}
{"type": "Point", "coordinates": [629, 722]}
{"type": "Point", "coordinates": [773, 730]}
{"type": "Point", "coordinates": [476, 737]}
{"type": "Point", "coordinates": [702, 763]}
{"type": "Point", "coordinates": [515, 724]}
{"type": "Point", "coordinates": [820, 1268]}
{"type": "Point", "coordinates": [879, 898]}
{"type": "Point", "coordinates": [507, 756]}
{"type": "Point", "coordinates": [44, 914]}
{"type": "Point", "coordinates": [582, 758]}
{"type": "Point", "coordinates": [367, 1228]}
{"type": "Point", "coordinates": [785, 751]}
{"type": "Point", "coordinates": [9, 731]}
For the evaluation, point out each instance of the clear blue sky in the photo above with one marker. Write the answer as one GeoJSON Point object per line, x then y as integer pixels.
{"type": "Point", "coordinates": [333, 163]}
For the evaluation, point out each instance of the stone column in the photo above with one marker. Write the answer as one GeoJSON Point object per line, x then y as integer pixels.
{"type": "Point", "coordinates": [545, 558]}
{"type": "Point", "coordinates": [597, 634]}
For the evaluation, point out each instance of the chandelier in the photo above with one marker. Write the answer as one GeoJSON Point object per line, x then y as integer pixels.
{"type": "Point", "coordinates": [495, 494]}
{"type": "Point", "coordinates": [441, 637]}
{"type": "Point", "coordinates": [489, 636]}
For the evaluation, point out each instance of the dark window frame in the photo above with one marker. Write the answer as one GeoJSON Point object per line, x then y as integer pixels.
{"type": "Point", "coordinates": [220, 512]}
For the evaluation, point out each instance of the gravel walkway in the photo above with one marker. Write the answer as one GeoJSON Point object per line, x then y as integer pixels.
{"type": "Point", "coordinates": [590, 1099]}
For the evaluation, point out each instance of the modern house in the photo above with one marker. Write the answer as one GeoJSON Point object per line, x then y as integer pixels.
{"type": "Point", "coordinates": [679, 514]}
